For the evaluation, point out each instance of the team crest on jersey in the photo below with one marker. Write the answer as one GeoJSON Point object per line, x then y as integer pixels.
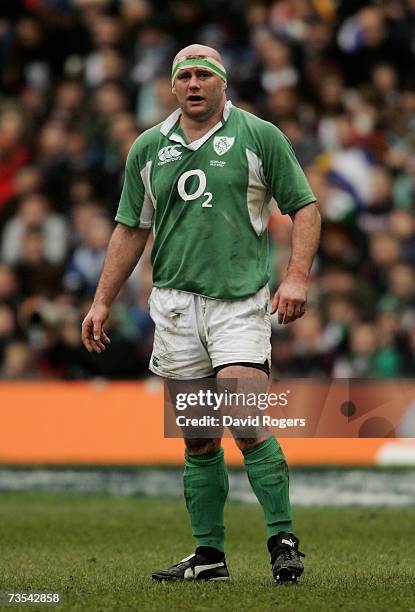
{"type": "Point", "coordinates": [222, 144]}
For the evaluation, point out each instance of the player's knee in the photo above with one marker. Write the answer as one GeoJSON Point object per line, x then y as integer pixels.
{"type": "Point", "coordinates": [202, 446]}
{"type": "Point", "coordinates": [250, 443]}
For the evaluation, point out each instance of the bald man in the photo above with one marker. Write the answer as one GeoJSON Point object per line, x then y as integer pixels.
{"type": "Point", "coordinates": [203, 181]}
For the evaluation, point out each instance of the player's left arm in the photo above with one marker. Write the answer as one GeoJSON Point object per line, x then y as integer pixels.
{"type": "Point", "coordinates": [291, 297]}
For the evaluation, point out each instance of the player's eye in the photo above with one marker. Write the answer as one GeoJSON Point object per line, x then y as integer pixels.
{"type": "Point", "coordinates": [183, 75]}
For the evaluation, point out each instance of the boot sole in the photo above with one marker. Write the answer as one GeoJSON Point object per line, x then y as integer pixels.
{"type": "Point", "coordinates": [173, 579]}
{"type": "Point", "coordinates": [287, 574]}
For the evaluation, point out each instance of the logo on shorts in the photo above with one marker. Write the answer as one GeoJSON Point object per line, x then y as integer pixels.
{"type": "Point", "coordinates": [222, 144]}
{"type": "Point", "coordinates": [155, 361]}
{"type": "Point", "coordinates": [169, 154]}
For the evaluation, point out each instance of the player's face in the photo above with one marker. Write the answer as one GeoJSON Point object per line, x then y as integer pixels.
{"type": "Point", "coordinates": [199, 92]}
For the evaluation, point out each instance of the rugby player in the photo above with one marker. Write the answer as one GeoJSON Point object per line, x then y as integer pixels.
{"type": "Point", "coordinates": [203, 180]}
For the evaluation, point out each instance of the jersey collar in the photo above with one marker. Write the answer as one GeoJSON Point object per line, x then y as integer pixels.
{"type": "Point", "coordinates": [167, 128]}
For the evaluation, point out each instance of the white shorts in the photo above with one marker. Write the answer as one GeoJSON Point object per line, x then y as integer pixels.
{"type": "Point", "coordinates": [195, 334]}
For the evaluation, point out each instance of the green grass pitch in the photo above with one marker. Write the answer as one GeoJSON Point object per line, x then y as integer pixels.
{"type": "Point", "coordinates": [99, 551]}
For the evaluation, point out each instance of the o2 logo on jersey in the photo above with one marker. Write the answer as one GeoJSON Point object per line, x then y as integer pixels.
{"type": "Point", "coordinates": [169, 154]}
{"type": "Point", "coordinates": [187, 197]}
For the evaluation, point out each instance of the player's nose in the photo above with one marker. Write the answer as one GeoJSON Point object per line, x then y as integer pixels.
{"type": "Point", "coordinates": [194, 82]}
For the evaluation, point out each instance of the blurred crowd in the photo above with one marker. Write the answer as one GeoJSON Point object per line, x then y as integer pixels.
{"type": "Point", "coordinates": [81, 79]}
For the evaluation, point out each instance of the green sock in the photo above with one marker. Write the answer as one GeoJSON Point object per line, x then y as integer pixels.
{"type": "Point", "coordinates": [268, 474]}
{"type": "Point", "coordinates": [205, 489]}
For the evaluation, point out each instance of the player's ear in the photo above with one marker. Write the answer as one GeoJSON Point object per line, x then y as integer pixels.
{"type": "Point", "coordinates": [173, 90]}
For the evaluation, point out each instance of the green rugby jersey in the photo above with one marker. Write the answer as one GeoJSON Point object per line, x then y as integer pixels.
{"type": "Point", "coordinates": [209, 201]}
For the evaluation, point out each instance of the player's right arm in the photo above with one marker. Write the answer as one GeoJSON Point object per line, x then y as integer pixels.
{"type": "Point", "coordinates": [135, 218]}
{"type": "Point", "coordinates": [124, 250]}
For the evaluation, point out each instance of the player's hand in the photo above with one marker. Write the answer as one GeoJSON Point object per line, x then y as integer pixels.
{"type": "Point", "coordinates": [93, 334]}
{"type": "Point", "coordinates": [290, 299]}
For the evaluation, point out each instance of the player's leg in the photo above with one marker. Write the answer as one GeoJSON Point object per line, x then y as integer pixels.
{"type": "Point", "coordinates": [205, 490]}
{"type": "Point", "coordinates": [179, 353]}
{"type": "Point", "coordinates": [240, 348]}
{"type": "Point", "coordinates": [267, 472]}
{"type": "Point", "coordinates": [264, 460]}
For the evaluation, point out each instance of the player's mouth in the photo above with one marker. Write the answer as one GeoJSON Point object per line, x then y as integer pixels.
{"type": "Point", "coordinates": [195, 99]}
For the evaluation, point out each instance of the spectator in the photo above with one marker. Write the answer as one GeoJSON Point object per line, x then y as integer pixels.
{"type": "Point", "coordinates": [359, 361]}
{"type": "Point", "coordinates": [14, 153]}
{"type": "Point", "coordinates": [9, 285]}
{"type": "Point", "coordinates": [8, 327]}
{"type": "Point", "coordinates": [37, 275]}
{"type": "Point", "coordinates": [34, 214]}
{"type": "Point", "coordinates": [78, 88]}
{"type": "Point", "coordinates": [18, 362]}
{"type": "Point", "coordinates": [84, 267]}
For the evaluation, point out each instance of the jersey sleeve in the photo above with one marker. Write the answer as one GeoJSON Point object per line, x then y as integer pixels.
{"type": "Point", "coordinates": [282, 172]}
{"type": "Point", "coordinates": [135, 208]}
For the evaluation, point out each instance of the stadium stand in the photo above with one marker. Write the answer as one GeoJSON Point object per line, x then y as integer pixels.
{"type": "Point", "coordinates": [81, 79]}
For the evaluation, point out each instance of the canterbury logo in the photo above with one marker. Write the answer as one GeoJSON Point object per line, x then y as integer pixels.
{"type": "Point", "coordinates": [170, 152]}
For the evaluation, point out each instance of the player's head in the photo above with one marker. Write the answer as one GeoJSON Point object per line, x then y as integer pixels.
{"type": "Point", "coordinates": [199, 81]}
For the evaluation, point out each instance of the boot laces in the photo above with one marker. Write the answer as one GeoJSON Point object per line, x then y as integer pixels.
{"type": "Point", "coordinates": [286, 554]}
